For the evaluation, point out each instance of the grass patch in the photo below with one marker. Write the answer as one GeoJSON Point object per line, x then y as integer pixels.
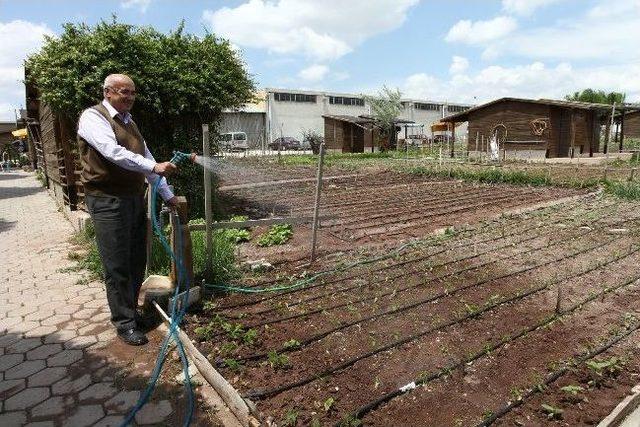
{"type": "Point", "coordinates": [623, 190]}
{"type": "Point", "coordinates": [488, 176]}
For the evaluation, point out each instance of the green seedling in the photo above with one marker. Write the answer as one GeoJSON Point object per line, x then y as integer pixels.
{"type": "Point", "coordinates": [277, 361]}
{"type": "Point", "coordinates": [232, 364]}
{"type": "Point", "coordinates": [204, 333]}
{"type": "Point", "coordinates": [290, 418]}
{"type": "Point", "coordinates": [291, 344]}
{"type": "Point", "coordinates": [605, 367]}
{"type": "Point", "coordinates": [250, 336]}
{"type": "Point", "coordinates": [328, 404]}
{"type": "Point", "coordinates": [552, 412]}
{"type": "Point", "coordinates": [278, 234]}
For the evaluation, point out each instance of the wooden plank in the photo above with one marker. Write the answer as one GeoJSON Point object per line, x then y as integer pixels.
{"type": "Point", "coordinates": [259, 222]}
{"type": "Point", "coordinates": [227, 392]}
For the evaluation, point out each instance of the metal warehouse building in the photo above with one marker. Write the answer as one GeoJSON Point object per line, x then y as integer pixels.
{"type": "Point", "coordinates": [288, 112]}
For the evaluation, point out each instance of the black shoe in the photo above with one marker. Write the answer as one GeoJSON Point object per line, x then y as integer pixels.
{"type": "Point", "coordinates": [132, 337]}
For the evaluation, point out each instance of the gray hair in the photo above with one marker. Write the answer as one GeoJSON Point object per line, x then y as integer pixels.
{"type": "Point", "coordinates": [112, 79]}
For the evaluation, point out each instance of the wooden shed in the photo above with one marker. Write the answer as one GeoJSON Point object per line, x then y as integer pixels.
{"type": "Point", "coordinates": [632, 125]}
{"type": "Point", "coordinates": [558, 128]}
{"type": "Point", "coordinates": [350, 134]}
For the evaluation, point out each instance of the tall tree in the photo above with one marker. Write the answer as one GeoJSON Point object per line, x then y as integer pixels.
{"type": "Point", "coordinates": [385, 109]}
{"type": "Point", "coordinates": [183, 81]}
{"type": "Point", "coordinates": [598, 96]}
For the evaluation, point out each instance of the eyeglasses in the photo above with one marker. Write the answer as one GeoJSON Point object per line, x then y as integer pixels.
{"type": "Point", "coordinates": [123, 92]}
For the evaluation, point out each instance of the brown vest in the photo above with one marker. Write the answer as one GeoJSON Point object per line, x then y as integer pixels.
{"type": "Point", "coordinates": [102, 177]}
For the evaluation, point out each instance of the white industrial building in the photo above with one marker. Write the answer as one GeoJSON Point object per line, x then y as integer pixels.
{"type": "Point", "coordinates": [288, 112]}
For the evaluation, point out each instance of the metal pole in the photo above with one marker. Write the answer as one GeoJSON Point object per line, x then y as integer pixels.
{"type": "Point", "coordinates": [316, 209]}
{"type": "Point", "coordinates": [207, 200]}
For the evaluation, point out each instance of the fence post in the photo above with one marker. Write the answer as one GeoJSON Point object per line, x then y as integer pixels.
{"type": "Point", "coordinates": [632, 174]}
{"type": "Point", "coordinates": [316, 209]}
{"type": "Point", "coordinates": [180, 233]}
{"type": "Point", "coordinates": [207, 201]}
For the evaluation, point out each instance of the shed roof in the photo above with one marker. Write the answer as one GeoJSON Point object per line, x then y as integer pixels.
{"type": "Point", "coordinates": [463, 116]}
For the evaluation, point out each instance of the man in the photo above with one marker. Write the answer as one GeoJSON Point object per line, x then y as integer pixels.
{"type": "Point", "coordinates": [115, 163]}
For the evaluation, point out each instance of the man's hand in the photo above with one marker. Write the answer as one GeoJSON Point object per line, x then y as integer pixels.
{"type": "Point", "coordinates": [165, 168]}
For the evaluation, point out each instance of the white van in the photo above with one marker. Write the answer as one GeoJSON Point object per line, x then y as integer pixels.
{"type": "Point", "coordinates": [233, 141]}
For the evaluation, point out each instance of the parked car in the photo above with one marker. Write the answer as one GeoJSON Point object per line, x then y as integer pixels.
{"type": "Point", "coordinates": [285, 143]}
{"type": "Point", "coordinates": [234, 141]}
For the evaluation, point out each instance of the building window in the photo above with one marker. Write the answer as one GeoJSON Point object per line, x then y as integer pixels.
{"type": "Point", "coordinates": [429, 107]}
{"type": "Point", "coordinates": [344, 100]}
{"type": "Point", "coordinates": [294, 97]}
{"type": "Point", "coordinates": [456, 108]}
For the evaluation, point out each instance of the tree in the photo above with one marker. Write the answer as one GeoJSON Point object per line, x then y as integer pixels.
{"type": "Point", "coordinates": [385, 109]}
{"type": "Point", "coordinates": [183, 81]}
{"type": "Point", "coordinates": [597, 96]}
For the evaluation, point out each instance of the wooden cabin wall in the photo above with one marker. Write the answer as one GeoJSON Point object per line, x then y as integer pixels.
{"type": "Point", "coordinates": [332, 134]}
{"type": "Point", "coordinates": [517, 117]}
{"type": "Point", "coordinates": [632, 125]}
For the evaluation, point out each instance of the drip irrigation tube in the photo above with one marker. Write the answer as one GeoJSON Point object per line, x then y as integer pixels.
{"type": "Point", "coordinates": [359, 413]}
{"type": "Point", "coordinates": [321, 335]}
{"type": "Point", "coordinates": [392, 254]}
{"type": "Point", "coordinates": [260, 394]}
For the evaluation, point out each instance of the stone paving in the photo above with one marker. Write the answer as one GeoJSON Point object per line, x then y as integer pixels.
{"type": "Point", "coordinates": [60, 361]}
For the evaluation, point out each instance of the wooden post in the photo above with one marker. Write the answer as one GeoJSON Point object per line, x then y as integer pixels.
{"type": "Point", "coordinates": [477, 136]}
{"type": "Point", "coordinates": [180, 233]}
{"type": "Point", "coordinates": [573, 133]}
{"type": "Point", "coordinates": [453, 139]}
{"type": "Point", "coordinates": [316, 209]}
{"type": "Point", "coordinates": [632, 174]}
{"type": "Point", "coordinates": [149, 238]}
{"type": "Point", "coordinates": [621, 130]}
{"type": "Point", "coordinates": [208, 214]}
{"type": "Point", "coordinates": [608, 135]}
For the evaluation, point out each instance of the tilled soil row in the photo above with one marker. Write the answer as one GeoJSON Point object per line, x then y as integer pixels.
{"type": "Point", "coordinates": [337, 362]}
{"type": "Point", "coordinates": [385, 286]}
{"type": "Point", "coordinates": [478, 237]}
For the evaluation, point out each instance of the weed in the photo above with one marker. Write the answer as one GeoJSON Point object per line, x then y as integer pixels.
{"type": "Point", "coordinates": [278, 234]}
{"type": "Point", "coordinates": [552, 412]}
{"type": "Point", "coordinates": [487, 414]}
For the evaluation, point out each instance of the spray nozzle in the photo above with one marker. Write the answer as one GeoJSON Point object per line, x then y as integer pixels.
{"type": "Point", "coordinates": [180, 156]}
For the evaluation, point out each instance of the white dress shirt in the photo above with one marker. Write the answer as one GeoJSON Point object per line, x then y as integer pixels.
{"type": "Point", "coordinates": [97, 131]}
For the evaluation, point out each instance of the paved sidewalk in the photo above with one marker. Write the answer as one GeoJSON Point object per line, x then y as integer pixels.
{"type": "Point", "coordinates": [60, 361]}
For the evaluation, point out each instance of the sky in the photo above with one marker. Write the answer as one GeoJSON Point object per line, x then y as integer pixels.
{"type": "Point", "coordinates": [468, 51]}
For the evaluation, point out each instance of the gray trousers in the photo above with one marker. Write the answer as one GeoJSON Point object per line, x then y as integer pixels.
{"type": "Point", "coordinates": [120, 224]}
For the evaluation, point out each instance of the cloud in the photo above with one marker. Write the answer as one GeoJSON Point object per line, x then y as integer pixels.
{"type": "Point", "coordinates": [479, 32]}
{"type": "Point", "coordinates": [322, 31]}
{"type": "Point", "coordinates": [141, 5]}
{"type": "Point", "coordinates": [607, 31]}
{"type": "Point", "coordinates": [26, 38]}
{"type": "Point", "coordinates": [459, 65]}
{"type": "Point", "coordinates": [314, 73]}
{"type": "Point", "coordinates": [534, 80]}
{"type": "Point", "coordinates": [524, 7]}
